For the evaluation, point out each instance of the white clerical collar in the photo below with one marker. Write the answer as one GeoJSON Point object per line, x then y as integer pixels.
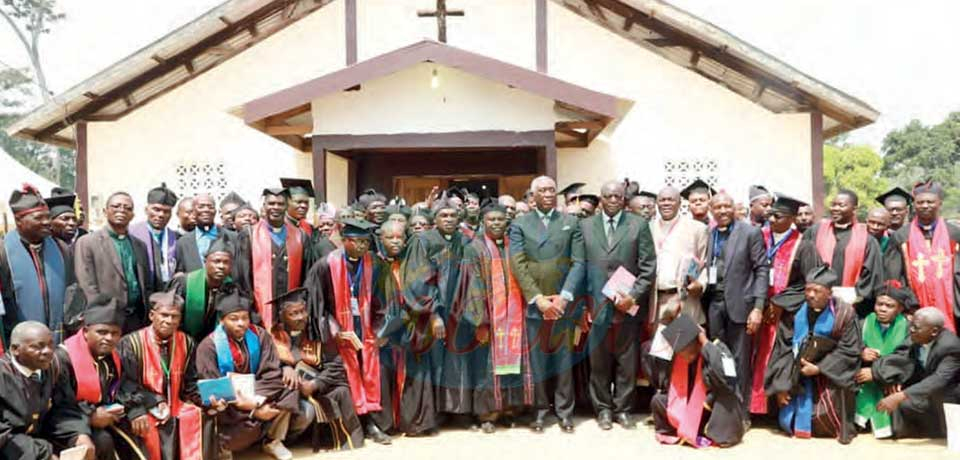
{"type": "Point", "coordinates": [295, 333]}
{"type": "Point", "coordinates": [843, 226]}
{"type": "Point", "coordinates": [447, 237]}
{"type": "Point", "coordinates": [27, 372]}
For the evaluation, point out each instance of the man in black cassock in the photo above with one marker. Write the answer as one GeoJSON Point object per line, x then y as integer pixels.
{"type": "Point", "coordinates": [36, 419]}
{"type": "Point", "coordinates": [921, 375]}
{"type": "Point", "coordinates": [316, 370]}
{"type": "Point", "coordinates": [202, 289]}
{"type": "Point", "coordinates": [160, 381]}
{"type": "Point", "coordinates": [878, 225]}
{"type": "Point", "coordinates": [431, 274]}
{"type": "Point", "coordinates": [92, 375]}
{"type": "Point", "coordinates": [841, 235]}
{"type": "Point", "coordinates": [701, 406]}
{"type": "Point", "coordinates": [897, 202]}
{"type": "Point", "coordinates": [812, 368]}
{"type": "Point", "coordinates": [238, 346]}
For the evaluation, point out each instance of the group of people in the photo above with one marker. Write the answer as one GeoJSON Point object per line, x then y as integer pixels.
{"type": "Point", "coordinates": [381, 319]}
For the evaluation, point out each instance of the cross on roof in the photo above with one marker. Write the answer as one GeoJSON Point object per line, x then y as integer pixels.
{"type": "Point", "coordinates": [441, 13]}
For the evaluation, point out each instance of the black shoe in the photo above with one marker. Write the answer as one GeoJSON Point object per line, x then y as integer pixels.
{"type": "Point", "coordinates": [373, 432]}
{"type": "Point", "coordinates": [538, 425]}
{"type": "Point", "coordinates": [624, 420]}
{"type": "Point", "coordinates": [604, 420]}
{"type": "Point", "coordinates": [566, 424]}
{"type": "Point", "coordinates": [488, 427]}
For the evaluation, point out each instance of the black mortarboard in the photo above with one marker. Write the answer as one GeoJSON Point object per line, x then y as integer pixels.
{"type": "Point", "coordinates": [442, 203]}
{"type": "Point", "coordinates": [232, 302]}
{"type": "Point", "coordinates": [571, 190]}
{"type": "Point", "coordinates": [454, 191]}
{"type": "Point", "coordinates": [895, 193]}
{"type": "Point", "coordinates": [492, 206]}
{"type": "Point", "coordinates": [61, 204]}
{"type": "Point", "coordinates": [696, 186]}
{"type": "Point", "coordinates": [398, 209]}
{"type": "Point", "coordinates": [896, 291]}
{"type": "Point", "coordinates": [298, 295]}
{"type": "Point", "coordinates": [60, 191]}
{"type": "Point", "coordinates": [103, 309]}
{"type": "Point", "coordinates": [682, 331]}
{"type": "Point", "coordinates": [276, 191]}
{"type": "Point", "coordinates": [631, 188]}
{"type": "Point", "coordinates": [26, 200]}
{"type": "Point", "coordinates": [166, 298]}
{"type": "Point", "coordinates": [928, 187]}
{"type": "Point", "coordinates": [162, 195]}
{"type": "Point", "coordinates": [589, 198]}
{"type": "Point", "coordinates": [787, 204]}
{"type": "Point", "coordinates": [422, 211]}
{"type": "Point", "coordinates": [232, 198]}
{"type": "Point", "coordinates": [758, 191]}
{"type": "Point", "coordinates": [647, 194]}
{"type": "Point", "coordinates": [221, 244]}
{"type": "Point", "coordinates": [356, 228]}
{"type": "Point", "coordinates": [823, 276]}
{"type": "Point", "coordinates": [370, 196]}
{"type": "Point", "coordinates": [298, 186]}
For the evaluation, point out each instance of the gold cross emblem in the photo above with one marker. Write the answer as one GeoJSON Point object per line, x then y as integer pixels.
{"type": "Point", "coordinates": [921, 264]}
{"type": "Point", "coordinates": [941, 260]}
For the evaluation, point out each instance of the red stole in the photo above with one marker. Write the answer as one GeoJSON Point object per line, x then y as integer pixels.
{"type": "Point", "coordinates": [365, 388]}
{"type": "Point", "coordinates": [85, 370]}
{"type": "Point", "coordinates": [766, 336]}
{"type": "Point", "coordinates": [685, 409]}
{"type": "Point", "coordinates": [188, 415]}
{"type": "Point", "coordinates": [506, 323]}
{"type": "Point", "coordinates": [261, 245]}
{"type": "Point", "coordinates": [930, 268]}
{"type": "Point", "coordinates": [853, 255]}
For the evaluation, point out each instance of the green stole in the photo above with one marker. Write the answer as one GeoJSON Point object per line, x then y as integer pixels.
{"type": "Point", "coordinates": [195, 307]}
{"type": "Point", "coordinates": [871, 393]}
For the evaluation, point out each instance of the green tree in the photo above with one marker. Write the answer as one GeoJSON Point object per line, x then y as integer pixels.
{"type": "Point", "coordinates": [853, 167]}
{"type": "Point", "coordinates": [917, 152]}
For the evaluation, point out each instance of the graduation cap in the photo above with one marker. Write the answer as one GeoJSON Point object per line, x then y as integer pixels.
{"type": "Point", "coordinates": [233, 301]}
{"type": "Point", "coordinates": [631, 188]}
{"type": "Point", "coordinates": [298, 186]}
{"type": "Point", "coordinates": [647, 194]}
{"type": "Point", "coordinates": [276, 191]}
{"type": "Point", "coordinates": [355, 228]}
{"type": "Point", "coordinates": [758, 191]}
{"type": "Point", "coordinates": [443, 203]}
{"type": "Point", "coordinates": [398, 209]}
{"type": "Point", "coordinates": [328, 210]}
{"type": "Point", "coordinates": [166, 299]}
{"type": "Point", "coordinates": [422, 211]}
{"type": "Point", "coordinates": [589, 198]}
{"type": "Point", "coordinates": [697, 185]}
{"type": "Point", "coordinates": [298, 295]}
{"type": "Point", "coordinates": [456, 192]}
{"type": "Point", "coordinates": [26, 200]}
{"type": "Point", "coordinates": [895, 194]}
{"type": "Point", "coordinates": [232, 198]}
{"type": "Point", "coordinates": [162, 195]}
{"type": "Point", "coordinates": [896, 291]}
{"type": "Point", "coordinates": [370, 196]}
{"type": "Point", "coordinates": [928, 187]}
{"type": "Point", "coordinates": [787, 205]}
{"type": "Point", "coordinates": [823, 276]}
{"type": "Point", "coordinates": [492, 206]}
{"type": "Point", "coordinates": [103, 309]}
{"type": "Point", "coordinates": [681, 332]}
{"type": "Point", "coordinates": [571, 191]}
{"type": "Point", "coordinates": [221, 244]}
{"type": "Point", "coordinates": [61, 204]}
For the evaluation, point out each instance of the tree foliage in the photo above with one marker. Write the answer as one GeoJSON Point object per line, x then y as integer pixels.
{"type": "Point", "coordinates": [917, 152]}
{"type": "Point", "coordinates": [853, 167]}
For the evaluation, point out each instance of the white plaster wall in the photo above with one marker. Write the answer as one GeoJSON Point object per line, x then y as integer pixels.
{"type": "Point", "coordinates": [142, 149]}
{"type": "Point", "coordinates": [677, 115]}
{"type": "Point", "coordinates": [407, 102]}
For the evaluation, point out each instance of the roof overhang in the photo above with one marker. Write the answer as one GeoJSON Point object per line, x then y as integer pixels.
{"type": "Point", "coordinates": [286, 115]}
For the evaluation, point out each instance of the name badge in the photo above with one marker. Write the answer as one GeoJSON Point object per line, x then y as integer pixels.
{"type": "Point", "coordinates": [773, 274]}
{"type": "Point", "coordinates": [712, 274]}
{"type": "Point", "coordinates": [729, 366]}
{"type": "Point", "coordinates": [354, 305]}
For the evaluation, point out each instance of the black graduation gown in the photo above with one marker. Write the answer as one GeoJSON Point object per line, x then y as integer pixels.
{"type": "Point", "coordinates": [210, 317]}
{"type": "Point", "coordinates": [236, 430]}
{"type": "Point", "coordinates": [141, 399]}
{"type": "Point", "coordinates": [837, 370]}
{"type": "Point", "coordinates": [432, 276]}
{"type": "Point", "coordinates": [243, 264]}
{"type": "Point", "coordinates": [123, 443]}
{"type": "Point", "coordinates": [36, 418]}
{"type": "Point", "coordinates": [871, 276]}
{"type": "Point", "coordinates": [792, 297]}
{"type": "Point", "coordinates": [722, 420]}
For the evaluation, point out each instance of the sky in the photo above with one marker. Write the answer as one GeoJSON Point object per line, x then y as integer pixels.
{"type": "Point", "coordinates": [898, 57]}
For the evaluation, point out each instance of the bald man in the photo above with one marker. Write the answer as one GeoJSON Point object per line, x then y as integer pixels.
{"type": "Point", "coordinates": [192, 246]}
{"type": "Point", "coordinates": [681, 245]}
{"type": "Point", "coordinates": [878, 225]}
{"type": "Point", "coordinates": [920, 375]}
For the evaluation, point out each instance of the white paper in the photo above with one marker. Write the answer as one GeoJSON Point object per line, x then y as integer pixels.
{"type": "Point", "coordinates": [712, 274]}
{"type": "Point", "coordinates": [729, 366]}
{"type": "Point", "coordinates": [659, 347]}
{"type": "Point", "coordinates": [243, 383]}
{"type": "Point", "coordinates": [952, 413]}
{"type": "Point", "coordinates": [846, 295]}
{"type": "Point", "coordinates": [74, 453]}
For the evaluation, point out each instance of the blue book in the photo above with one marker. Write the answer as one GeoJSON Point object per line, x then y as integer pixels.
{"type": "Point", "coordinates": [221, 388]}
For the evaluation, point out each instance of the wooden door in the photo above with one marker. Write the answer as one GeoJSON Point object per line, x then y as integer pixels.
{"type": "Point", "coordinates": [416, 189]}
{"type": "Point", "coordinates": [515, 186]}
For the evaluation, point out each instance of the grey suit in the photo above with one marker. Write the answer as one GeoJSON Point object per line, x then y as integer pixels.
{"type": "Point", "coordinates": [744, 279]}
{"type": "Point", "coordinates": [547, 261]}
{"type": "Point", "coordinates": [99, 271]}
{"type": "Point", "coordinates": [631, 247]}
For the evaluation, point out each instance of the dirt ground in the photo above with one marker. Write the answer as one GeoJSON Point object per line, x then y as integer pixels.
{"type": "Point", "coordinates": [589, 442]}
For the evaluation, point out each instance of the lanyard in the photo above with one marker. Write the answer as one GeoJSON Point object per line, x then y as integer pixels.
{"type": "Point", "coordinates": [772, 251]}
{"type": "Point", "coordinates": [717, 245]}
{"type": "Point", "coordinates": [164, 364]}
{"type": "Point", "coordinates": [354, 278]}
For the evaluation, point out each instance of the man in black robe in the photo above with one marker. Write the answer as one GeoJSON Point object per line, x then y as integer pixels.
{"type": "Point", "coordinates": [431, 274]}
{"type": "Point", "coordinates": [920, 376]}
{"type": "Point", "coordinates": [805, 218]}
{"type": "Point", "coordinates": [92, 375]}
{"type": "Point", "coordinates": [316, 371]}
{"type": "Point", "coordinates": [228, 208]}
{"type": "Point", "coordinates": [814, 361]}
{"type": "Point", "coordinates": [846, 246]}
{"type": "Point", "coordinates": [702, 401]}
{"type": "Point", "coordinates": [36, 419]}
{"type": "Point", "coordinates": [878, 225]}
{"type": "Point", "coordinates": [236, 345]}
{"type": "Point", "coordinates": [202, 289]}
{"type": "Point", "coordinates": [897, 202]}
{"type": "Point", "coordinates": [63, 218]}
{"type": "Point", "coordinates": [185, 216]}
{"type": "Point", "coordinates": [698, 195]}
{"type": "Point", "coordinates": [301, 192]}
{"type": "Point", "coordinates": [160, 382]}
{"type": "Point", "coordinates": [159, 240]}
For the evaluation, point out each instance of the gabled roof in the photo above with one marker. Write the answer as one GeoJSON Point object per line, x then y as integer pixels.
{"type": "Point", "coordinates": [236, 25]}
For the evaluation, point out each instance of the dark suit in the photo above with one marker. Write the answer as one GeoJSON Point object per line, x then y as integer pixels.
{"type": "Point", "coordinates": [744, 279]}
{"type": "Point", "coordinates": [188, 255]}
{"type": "Point", "coordinates": [547, 261]}
{"type": "Point", "coordinates": [927, 385]}
{"type": "Point", "coordinates": [99, 270]}
{"type": "Point", "coordinates": [631, 247]}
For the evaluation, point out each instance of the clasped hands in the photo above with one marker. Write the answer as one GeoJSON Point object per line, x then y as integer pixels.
{"type": "Point", "coordinates": [551, 306]}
